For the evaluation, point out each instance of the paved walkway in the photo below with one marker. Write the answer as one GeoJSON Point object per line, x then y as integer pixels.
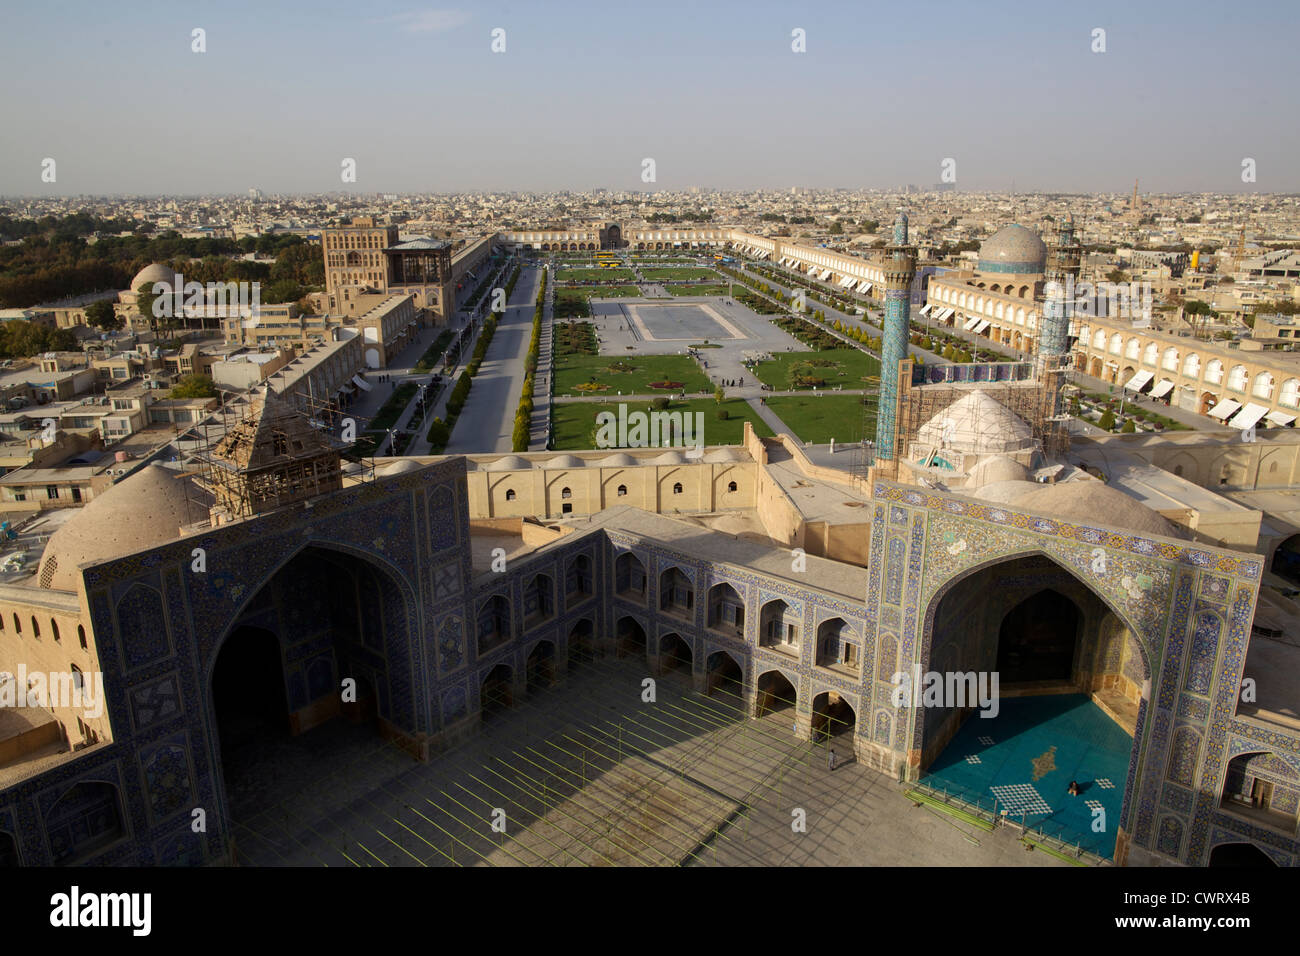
{"type": "Point", "coordinates": [773, 420]}
{"type": "Point", "coordinates": [486, 423]}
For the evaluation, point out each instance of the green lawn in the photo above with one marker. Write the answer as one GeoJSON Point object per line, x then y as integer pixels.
{"type": "Point", "coordinates": [679, 273]}
{"type": "Point", "coordinates": [575, 421]}
{"type": "Point", "coordinates": [708, 289]}
{"type": "Point", "coordinates": [848, 367]}
{"type": "Point", "coordinates": [595, 275]}
{"type": "Point", "coordinates": [573, 302]}
{"type": "Point", "coordinates": [573, 370]}
{"type": "Point", "coordinates": [819, 418]}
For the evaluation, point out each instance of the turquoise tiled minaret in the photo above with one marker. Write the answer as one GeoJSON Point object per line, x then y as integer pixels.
{"type": "Point", "coordinates": [899, 267]}
{"type": "Point", "coordinates": [1062, 269]}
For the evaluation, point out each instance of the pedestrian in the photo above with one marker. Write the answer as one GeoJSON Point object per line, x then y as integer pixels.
{"type": "Point", "coordinates": [830, 759]}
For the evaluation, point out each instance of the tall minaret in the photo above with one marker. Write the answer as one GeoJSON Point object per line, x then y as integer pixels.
{"type": "Point", "coordinates": [899, 267]}
{"type": "Point", "coordinates": [1059, 278]}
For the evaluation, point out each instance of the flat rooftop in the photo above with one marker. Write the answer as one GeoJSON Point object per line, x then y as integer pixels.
{"type": "Point", "coordinates": [843, 580]}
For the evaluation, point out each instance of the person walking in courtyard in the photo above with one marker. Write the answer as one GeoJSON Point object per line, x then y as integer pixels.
{"type": "Point", "coordinates": [830, 760]}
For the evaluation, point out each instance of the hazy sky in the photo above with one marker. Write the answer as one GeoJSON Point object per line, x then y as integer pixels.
{"type": "Point", "coordinates": [709, 89]}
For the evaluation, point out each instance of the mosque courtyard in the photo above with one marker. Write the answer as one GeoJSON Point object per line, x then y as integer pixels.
{"type": "Point", "coordinates": [587, 773]}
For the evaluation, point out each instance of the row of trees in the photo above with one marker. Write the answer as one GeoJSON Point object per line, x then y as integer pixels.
{"type": "Point", "coordinates": [20, 339]}
{"type": "Point", "coordinates": [523, 429]}
{"type": "Point", "coordinates": [54, 265]}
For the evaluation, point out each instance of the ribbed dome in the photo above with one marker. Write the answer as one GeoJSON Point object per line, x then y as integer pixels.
{"type": "Point", "coordinates": [1013, 249]}
{"type": "Point", "coordinates": [510, 463]}
{"type": "Point", "coordinates": [158, 272]}
{"type": "Point", "coordinates": [979, 424]}
{"type": "Point", "coordinates": [564, 461]}
{"type": "Point", "coordinates": [141, 512]}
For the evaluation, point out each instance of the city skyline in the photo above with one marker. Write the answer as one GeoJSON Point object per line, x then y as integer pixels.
{"type": "Point", "coordinates": [583, 94]}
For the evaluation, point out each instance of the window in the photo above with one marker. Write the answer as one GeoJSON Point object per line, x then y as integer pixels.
{"type": "Point", "coordinates": [622, 490]}
{"type": "Point", "coordinates": [510, 494]}
{"type": "Point", "coordinates": [36, 628]}
{"type": "Point", "coordinates": [18, 625]}
{"type": "Point", "coordinates": [52, 491]}
{"type": "Point", "coordinates": [54, 629]}
{"type": "Point", "coordinates": [81, 637]}
{"type": "Point", "coordinates": [731, 486]}
{"type": "Point", "coordinates": [677, 488]}
{"type": "Point", "coordinates": [566, 493]}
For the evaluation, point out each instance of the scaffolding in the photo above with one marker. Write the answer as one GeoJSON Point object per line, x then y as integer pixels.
{"type": "Point", "coordinates": [1036, 402]}
{"type": "Point", "coordinates": [258, 453]}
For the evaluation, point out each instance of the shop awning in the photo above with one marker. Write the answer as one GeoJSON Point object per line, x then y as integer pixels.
{"type": "Point", "coordinates": [1224, 409]}
{"type": "Point", "coordinates": [361, 383]}
{"type": "Point", "coordinates": [1138, 381]}
{"type": "Point", "coordinates": [984, 324]}
{"type": "Point", "coordinates": [1280, 419]}
{"type": "Point", "coordinates": [865, 287]}
{"type": "Point", "coordinates": [925, 309]}
{"type": "Point", "coordinates": [1249, 416]}
{"type": "Point", "coordinates": [1163, 388]}
{"type": "Point", "coordinates": [971, 322]}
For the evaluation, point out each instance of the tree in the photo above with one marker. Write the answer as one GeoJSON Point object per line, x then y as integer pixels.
{"type": "Point", "coordinates": [1117, 276]}
{"type": "Point", "coordinates": [194, 386]}
{"type": "Point", "coordinates": [1107, 420]}
{"type": "Point", "coordinates": [284, 290]}
{"type": "Point", "coordinates": [100, 315]}
{"type": "Point", "coordinates": [438, 435]}
{"type": "Point", "coordinates": [144, 301]}
{"type": "Point", "coordinates": [837, 228]}
{"type": "Point", "coordinates": [719, 395]}
{"type": "Point", "coordinates": [20, 339]}
{"type": "Point", "coordinates": [1129, 427]}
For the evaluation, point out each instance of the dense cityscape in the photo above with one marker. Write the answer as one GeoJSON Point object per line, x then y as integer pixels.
{"type": "Point", "coordinates": [905, 524]}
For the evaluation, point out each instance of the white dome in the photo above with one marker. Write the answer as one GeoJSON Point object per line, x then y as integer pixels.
{"type": "Point", "coordinates": [978, 424]}
{"type": "Point", "coordinates": [140, 512]}
{"type": "Point", "coordinates": [158, 272]}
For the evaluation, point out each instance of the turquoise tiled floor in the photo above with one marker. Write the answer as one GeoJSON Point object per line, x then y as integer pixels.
{"type": "Point", "coordinates": [1090, 748]}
